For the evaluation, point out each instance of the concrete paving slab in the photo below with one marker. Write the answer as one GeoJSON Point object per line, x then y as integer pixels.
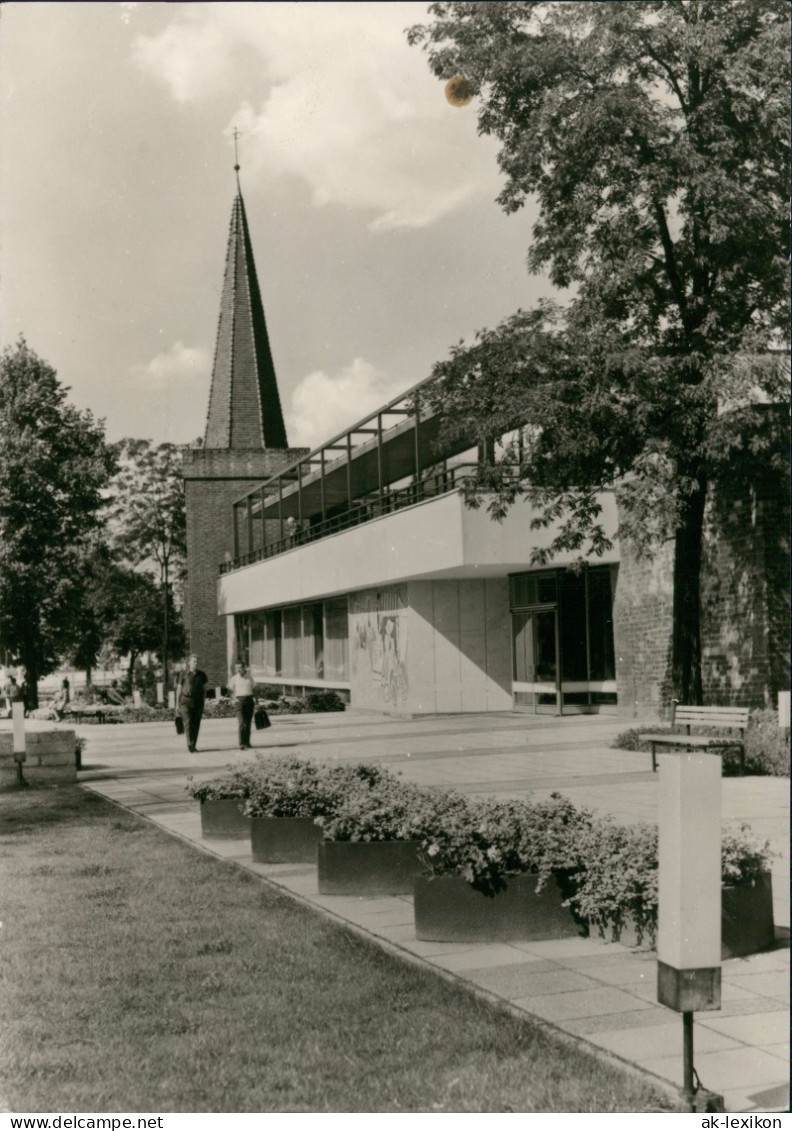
{"type": "Point", "coordinates": [741, 1068]}
{"type": "Point", "coordinates": [585, 1003]}
{"type": "Point", "coordinates": [476, 958]}
{"type": "Point", "coordinates": [514, 982]}
{"type": "Point", "coordinates": [752, 1029]}
{"type": "Point", "coordinates": [629, 972]}
{"type": "Point", "coordinates": [659, 1041]}
{"type": "Point", "coordinates": [638, 1019]}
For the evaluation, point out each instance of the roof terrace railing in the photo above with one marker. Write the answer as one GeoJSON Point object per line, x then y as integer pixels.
{"type": "Point", "coordinates": [442, 482]}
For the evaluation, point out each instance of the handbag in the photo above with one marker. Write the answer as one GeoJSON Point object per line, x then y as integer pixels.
{"type": "Point", "coordinates": [179, 721]}
{"type": "Point", "coordinates": [261, 719]}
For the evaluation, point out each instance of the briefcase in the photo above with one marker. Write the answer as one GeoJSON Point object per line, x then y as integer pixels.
{"type": "Point", "coordinates": [179, 724]}
{"type": "Point", "coordinates": [261, 719]}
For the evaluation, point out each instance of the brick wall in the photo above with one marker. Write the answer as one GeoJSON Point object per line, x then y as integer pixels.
{"type": "Point", "coordinates": [745, 596]}
{"type": "Point", "coordinates": [744, 607]}
{"type": "Point", "coordinates": [214, 478]}
{"type": "Point", "coordinates": [642, 614]}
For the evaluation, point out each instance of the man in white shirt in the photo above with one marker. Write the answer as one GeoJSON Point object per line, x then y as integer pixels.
{"type": "Point", "coordinates": [241, 687]}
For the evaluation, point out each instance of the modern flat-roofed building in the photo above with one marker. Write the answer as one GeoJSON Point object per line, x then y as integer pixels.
{"type": "Point", "coordinates": [358, 567]}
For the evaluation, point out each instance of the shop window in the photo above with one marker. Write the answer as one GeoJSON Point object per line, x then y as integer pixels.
{"type": "Point", "coordinates": [336, 639]}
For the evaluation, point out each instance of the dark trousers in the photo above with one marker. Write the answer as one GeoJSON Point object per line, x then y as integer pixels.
{"type": "Point", "coordinates": [244, 705]}
{"type": "Point", "coordinates": [191, 714]}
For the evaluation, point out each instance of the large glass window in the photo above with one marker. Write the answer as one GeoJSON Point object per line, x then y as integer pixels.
{"type": "Point", "coordinates": [271, 663]}
{"type": "Point", "coordinates": [300, 642]}
{"type": "Point", "coordinates": [562, 630]}
{"type": "Point", "coordinates": [336, 639]}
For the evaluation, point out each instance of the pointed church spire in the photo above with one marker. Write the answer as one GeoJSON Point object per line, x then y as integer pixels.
{"type": "Point", "coordinates": [244, 405]}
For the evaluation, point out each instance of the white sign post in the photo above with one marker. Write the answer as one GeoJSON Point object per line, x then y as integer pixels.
{"type": "Point", "coordinates": [160, 691]}
{"type": "Point", "coordinates": [689, 899]}
{"type": "Point", "coordinates": [18, 723]}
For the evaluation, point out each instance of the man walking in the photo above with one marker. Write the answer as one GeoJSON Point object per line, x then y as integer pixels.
{"type": "Point", "coordinates": [242, 688]}
{"type": "Point", "coordinates": [190, 695]}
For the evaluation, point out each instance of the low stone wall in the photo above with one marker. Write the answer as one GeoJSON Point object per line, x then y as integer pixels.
{"type": "Point", "coordinates": [49, 758]}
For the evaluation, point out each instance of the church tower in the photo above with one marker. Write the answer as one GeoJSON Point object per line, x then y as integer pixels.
{"type": "Point", "coordinates": [244, 444]}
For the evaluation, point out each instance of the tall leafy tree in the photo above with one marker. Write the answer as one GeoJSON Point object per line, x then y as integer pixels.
{"type": "Point", "coordinates": [54, 465]}
{"type": "Point", "coordinates": [149, 524]}
{"type": "Point", "coordinates": [120, 612]}
{"type": "Point", "coordinates": [654, 137]}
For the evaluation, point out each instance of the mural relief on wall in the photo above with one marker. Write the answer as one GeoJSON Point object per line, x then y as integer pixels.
{"type": "Point", "coordinates": [380, 644]}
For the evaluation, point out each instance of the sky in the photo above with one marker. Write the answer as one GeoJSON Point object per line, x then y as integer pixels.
{"type": "Point", "coordinates": [370, 200]}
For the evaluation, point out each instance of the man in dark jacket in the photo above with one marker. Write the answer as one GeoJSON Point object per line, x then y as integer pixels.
{"type": "Point", "coordinates": [190, 695]}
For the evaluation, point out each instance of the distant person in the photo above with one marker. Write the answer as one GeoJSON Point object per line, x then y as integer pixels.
{"type": "Point", "coordinates": [190, 696]}
{"type": "Point", "coordinates": [5, 687]}
{"type": "Point", "coordinates": [66, 689]}
{"type": "Point", "coordinates": [241, 687]}
{"type": "Point", "coordinates": [16, 694]}
{"type": "Point", "coordinates": [58, 704]}
{"type": "Point", "coordinates": [113, 694]}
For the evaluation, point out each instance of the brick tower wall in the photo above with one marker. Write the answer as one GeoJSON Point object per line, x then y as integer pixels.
{"type": "Point", "coordinates": [745, 596]}
{"type": "Point", "coordinates": [745, 606]}
{"type": "Point", "coordinates": [214, 479]}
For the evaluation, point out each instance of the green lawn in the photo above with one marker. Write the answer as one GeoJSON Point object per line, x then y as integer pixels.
{"type": "Point", "coordinates": [138, 974]}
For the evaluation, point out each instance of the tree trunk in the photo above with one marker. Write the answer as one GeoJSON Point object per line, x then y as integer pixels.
{"type": "Point", "coordinates": [131, 672]}
{"type": "Point", "coordinates": [31, 680]}
{"type": "Point", "coordinates": [686, 631]}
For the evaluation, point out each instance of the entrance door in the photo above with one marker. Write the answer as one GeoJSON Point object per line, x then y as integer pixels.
{"type": "Point", "coordinates": [535, 652]}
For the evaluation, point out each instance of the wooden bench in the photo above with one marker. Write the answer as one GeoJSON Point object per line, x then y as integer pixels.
{"type": "Point", "coordinates": [723, 718]}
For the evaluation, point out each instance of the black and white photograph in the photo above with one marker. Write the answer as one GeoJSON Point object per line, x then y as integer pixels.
{"type": "Point", "coordinates": [394, 561]}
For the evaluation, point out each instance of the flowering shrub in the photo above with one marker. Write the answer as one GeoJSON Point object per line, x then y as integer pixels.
{"type": "Point", "coordinates": [743, 857]}
{"type": "Point", "coordinates": [286, 786]}
{"type": "Point", "coordinates": [384, 809]}
{"type": "Point", "coordinates": [485, 841]}
{"type": "Point", "coordinates": [619, 880]}
{"type": "Point", "coordinates": [235, 783]}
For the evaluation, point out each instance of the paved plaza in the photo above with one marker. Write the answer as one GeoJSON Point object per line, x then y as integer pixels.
{"type": "Point", "coordinates": [600, 992]}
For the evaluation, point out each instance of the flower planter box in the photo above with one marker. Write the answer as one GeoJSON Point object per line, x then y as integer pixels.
{"type": "Point", "coordinates": [368, 867]}
{"type": "Point", "coordinates": [747, 917]}
{"type": "Point", "coordinates": [284, 840]}
{"type": "Point", "coordinates": [747, 924]}
{"type": "Point", "coordinates": [448, 909]}
{"type": "Point", "coordinates": [223, 818]}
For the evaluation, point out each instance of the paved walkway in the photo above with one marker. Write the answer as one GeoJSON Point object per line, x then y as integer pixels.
{"type": "Point", "coordinates": [601, 992]}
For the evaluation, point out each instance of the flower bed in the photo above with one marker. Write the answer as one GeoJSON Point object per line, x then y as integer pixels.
{"type": "Point", "coordinates": [605, 873]}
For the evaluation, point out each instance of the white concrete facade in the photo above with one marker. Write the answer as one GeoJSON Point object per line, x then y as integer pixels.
{"type": "Point", "coordinates": [429, 618]}
{"type": "Point", "coordinates": [437, 539]}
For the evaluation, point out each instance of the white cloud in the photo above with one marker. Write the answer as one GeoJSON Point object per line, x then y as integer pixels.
{"type": "Point", "coordinates": [175, 383]}
{"type": "Point", "coordinates": [322, 405]}
{"type": "Point", "coordinates": [334, 96]}
{"type": "Point", "coordinates": [192, 56]}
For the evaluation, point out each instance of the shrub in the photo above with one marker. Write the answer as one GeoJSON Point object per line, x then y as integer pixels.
{"type": "Point", "coordinates": [324, 701]}
{"type": "Point", "coordinates": [743, 857]}
{"type": "Point", "coordinates": [286, 786]}
{"type": "Point", "coordinates": [373, 810]}
{"type": "Point", "coordinates": [766, 749]}
{"type": "Point", "coordinates": [485, 840]}
{"type": "Point", "coordinates": [219, 709]}
{"type": "Point", "coordinates": [619, 880]}
{"type": "Point", "coordinates": [236, 782]}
